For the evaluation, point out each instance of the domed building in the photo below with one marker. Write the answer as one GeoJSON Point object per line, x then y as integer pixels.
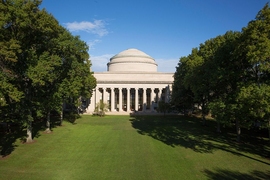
{"type": "Point", "coordinates": [132, 60]}
{"type": "Point", "coordinates": [131, 83]}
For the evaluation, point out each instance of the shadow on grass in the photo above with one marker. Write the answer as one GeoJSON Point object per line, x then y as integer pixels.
{"type": "Point", "coordinates": [11, 134]}
{"type": "Point", "coordinates": [8, 138]}
{"type": "Point", "coordinates": [218, 174]}
{"type": "Point", "coordinates": [188, 132]}
{"type": "Point", "coordinates": [173, 132]}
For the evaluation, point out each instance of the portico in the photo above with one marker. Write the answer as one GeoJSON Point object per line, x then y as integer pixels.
{"type": "Point", "coordinates": [130, 99]}
{"type": "Point", "coordinates": [131, 84]}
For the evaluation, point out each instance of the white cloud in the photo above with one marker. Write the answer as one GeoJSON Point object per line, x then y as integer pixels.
{"type": "Point", "coordinates": [167, 65]}
{"type": "Point", "coordinates": [96, 27]}
{"type": "Point", "coordinates": [91, 44]}
{"type": "Point", "coordinates": [99, 63]}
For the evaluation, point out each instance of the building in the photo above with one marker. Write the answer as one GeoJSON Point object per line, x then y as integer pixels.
{"type": "Point", "coordinates": [131, 83]}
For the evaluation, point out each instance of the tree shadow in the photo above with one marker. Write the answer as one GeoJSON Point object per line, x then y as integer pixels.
{"type": "Point", "coordinates": [224, 174]}
{"type": "Point", "coordinates": [188, 132]}
{"type": "Point", "coordinates": [173, 131]}
{"type": "Point", "coordinates": [8, 138]}
{"type": "Point", "coordinates": [17, 131]}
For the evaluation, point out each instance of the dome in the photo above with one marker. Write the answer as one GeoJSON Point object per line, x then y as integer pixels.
{"type": "Point", "coordinates": [132, 60]}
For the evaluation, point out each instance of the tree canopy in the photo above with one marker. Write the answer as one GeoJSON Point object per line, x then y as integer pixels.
{"type": "Point", "coordinates": [42, 64]}
{"type": "Point", "coordinates": [229, 76]}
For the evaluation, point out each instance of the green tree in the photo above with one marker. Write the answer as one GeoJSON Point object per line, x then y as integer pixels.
{"type": "Point", "coordinates": [254, 102]}
{"type": "Point", "coordinates": [78, 79]}
{"type": "Point", "coordinates": [254, 50]}
{"type": "Point", "coordinates": [101, 108]}
{"type": "Point", "coordinates": [163, 107]}
{"type": "Point", "coordinates": [196, 79]}
{"type": "Point", "coordinates": [229, 74]}
{"type": "Point", "coordinates": [38, 60]}
{"type": "Point", "coordinates": [182, 97]}
{"type": "Point", "coordinates": [21, 43]}
{"type": "Point", "coordinates": [225, 73]}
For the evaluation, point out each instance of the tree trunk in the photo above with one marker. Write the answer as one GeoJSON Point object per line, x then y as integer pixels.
{"type": "Point", "coordinates": [218, 127]}
{"type": "Point", "coordinates": [29, 138]}
{"type": "Point", "coordinates": [203, 114]}
{"type": "Point", "coordinates": [204, 120]}
{"type": "Point", "coordinates": [269, 129]}
{"type": "Point", "coordinates": [61, 117]}
{"type": "Point", "coordinates": [48, 123]}
{"type": "Point", "coordinates": [61, 114]}
{"type": "Point", "coordinates": [238, 130]}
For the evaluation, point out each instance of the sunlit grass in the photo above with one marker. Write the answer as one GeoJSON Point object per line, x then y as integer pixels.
{"type": "Point", "coordinates": [123, 147]}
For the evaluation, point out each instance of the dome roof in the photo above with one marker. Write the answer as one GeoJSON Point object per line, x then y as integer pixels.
{"type": "Point", "coordinates": [132, 60]}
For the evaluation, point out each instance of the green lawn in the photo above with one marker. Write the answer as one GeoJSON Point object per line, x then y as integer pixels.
{"type": "Point", "coordinates": [151, 147]}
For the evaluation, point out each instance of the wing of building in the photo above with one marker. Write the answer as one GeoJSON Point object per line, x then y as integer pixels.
{"type": "Point", "coordinates": [131, 83]}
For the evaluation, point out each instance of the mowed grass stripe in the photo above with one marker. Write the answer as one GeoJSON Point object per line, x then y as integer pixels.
{"type": "Point", "coordinates": [111, 148]}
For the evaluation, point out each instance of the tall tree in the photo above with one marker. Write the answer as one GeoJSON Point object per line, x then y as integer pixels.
{"type": "Point", "coordinates": [254, 49]}
{"type": "Point", "coordinates": [230, 74]}
{"type": "Point", "coordinates": [36, 57]}
{"type": "Point", "coordinates": [19, 41]}
{"type": "Point", "coordinates": [225, 72]}
{"type": "Point", "coordinates": [182, 97]}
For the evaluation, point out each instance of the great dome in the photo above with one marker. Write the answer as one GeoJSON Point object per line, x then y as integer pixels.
{"type": "Point", "coordinates": [132, 60]}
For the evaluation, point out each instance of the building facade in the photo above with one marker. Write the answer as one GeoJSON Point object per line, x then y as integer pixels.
{"type": "Point", "coordinates": [131, 84]}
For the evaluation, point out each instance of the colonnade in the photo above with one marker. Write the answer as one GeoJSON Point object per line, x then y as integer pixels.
{"type": "Point", "coordinates": [131, 99]}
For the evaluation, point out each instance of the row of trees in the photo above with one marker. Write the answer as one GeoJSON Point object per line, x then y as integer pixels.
{"type": "Point", "coordinates": [42, 64]}
{"type": "Point", "coordinates": [229, 76]}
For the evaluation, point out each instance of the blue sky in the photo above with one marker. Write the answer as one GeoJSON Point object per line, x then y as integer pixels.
{"type": "Point", "coordinates": [164, 29]}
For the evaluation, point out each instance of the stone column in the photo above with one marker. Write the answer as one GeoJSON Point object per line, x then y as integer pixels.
{"type": "Point", "coordinates": [104, 95]}
{"type": "Point", "coordinates": [128, 99]}
{"type": "Point", "coordinates": [112, 100]}
{"type": "Point", "coordinates": [92, 103]}
{"type": "Point", "coordinates": [120, 100]}
{"type": "Point", "coordinates": [97, 95]}
{"type": "Point", "coordinates": [152, 99]}
{"type": "Point", "coordinates": [159, 94]}
{"type": "Point", "coordinates": [144, 99]}
{"type": "Point", "coordinates": [136, 99]}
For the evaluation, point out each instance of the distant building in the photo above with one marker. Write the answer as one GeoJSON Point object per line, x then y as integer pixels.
{"type": "Point", "coordinates": [131, 83]}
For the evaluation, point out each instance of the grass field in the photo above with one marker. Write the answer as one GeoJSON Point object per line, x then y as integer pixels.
{"type": "Point", "coordinates": [150, 147]}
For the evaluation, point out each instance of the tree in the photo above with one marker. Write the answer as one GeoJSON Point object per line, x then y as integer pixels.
{"type": "Point", "coordinates": [21, 42]}
{"type": "Point", "coordinates": [163, 107]}
{"type": "Point", "coordinates": [225, 73]}
{"type": "Point", "coordinates": [182, 97]}
{"type": "Point", "coordinates": [229, 74]}
{"type": "Point", "coordinates": [254, 50]}
{"type": "Point", "coordinates": [78, 79]}
{"type": "Point", "coordinates": [254, 102]}
{"type": "Point", "coordinates": [101, 108]}
{"type": "Point", "coordinates": [197, 76]}
{"type": "Point", "coordinates": [38, 60]}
